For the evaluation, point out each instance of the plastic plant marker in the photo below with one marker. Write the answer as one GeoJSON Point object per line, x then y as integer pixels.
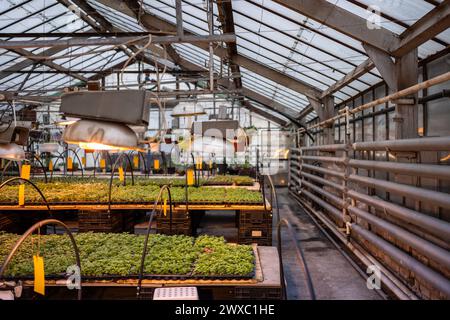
{"type": "Point", "coordinates": [136, 162]}
{"type": "Point", "coordinates": [83, 161]}
{"type": "Point", "coordinates": [190, 177]}
{"type": "Point", "coordinates": [102, 163]}
{"type": "Point", "coordinates": [69, 163]}
{"type": "Point", "coordinates": [156, 164]}
{"type": "Point", "coordinates": [165, 208]}
{"type": "Point", "coordinates": [50, 165]}
{"type": "Point", "coordinates": [199, 163]}
{"type": "Point", "coordinates": [25, 174]}
{"type": "Point", "coordinates": [39, 275]}
{"type": "Point", "coordinates": [26, 169]}
{"type": "Point", "coordinates": [121, 175]}
{"type": "Point", "coordinates": [21, 195]}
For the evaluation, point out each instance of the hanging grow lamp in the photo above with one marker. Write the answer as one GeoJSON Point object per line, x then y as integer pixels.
{"type": "Point", "coordinates": [11, 151]}
{"type": "Point", "coordinates": [11, 141]}
{"type": "Point", "coordinates": [65, 121]}
{"type": "Point", "coordinates": [101, 135]}
{"type": "Point", "coordinates": [188, 109]}
{"type": "Point", "coordinates": [205, 147]}
{"type": "Point", "coordinates": [105, 116]}
{"type": "Point", "coordinates": [49, 147]}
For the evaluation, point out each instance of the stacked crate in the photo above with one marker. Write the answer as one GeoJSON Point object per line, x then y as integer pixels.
{"type": "Point", "coordinates": [246, 293]}
{"type": "Point", "coordinates": [255, 227]}
{"type": "Point", "coordinates": [7, 222]}
{"type": "Point", "coordinates": [101, 221]}
{"type": "Point", "coordinates": [181, 223]}
{"type": "Point", "coordinates": [241, 293]}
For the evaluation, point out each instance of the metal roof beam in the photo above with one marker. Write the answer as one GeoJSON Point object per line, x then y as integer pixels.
{"type": "Point", "coordinates": [155, 22]}
{"type": "Point", "coordinates": [429, 26]}
{"type": "Point", "coordinates": [384, 64]}
{"type": "Point", "coordinates": [51, 64]}
{"type": "Point", "coordinates": [245, 62]}
{"type": "Point", "coordinates": [133, 9]}
{"type": "Point", "coordinates": [225, 9]}
{"type": "Point", "coordinates": [271, 104]}
{"type": "Point", "coordinates": [250, 94]}
{"type": "Point", "coordinates": [305, 112]}
{"type": "Point", "coordinates": [224, 83]}
{"type": "Point", "coordinates": [99, 23]}
{"type": "Point", "coordinates": [343, 21]}
{"type": "Point", "coordinates": [249, 106]}
{"type": "Point", "coordinates": [360, 70]}
{"type": "Point", "coordinates": [28, 62]}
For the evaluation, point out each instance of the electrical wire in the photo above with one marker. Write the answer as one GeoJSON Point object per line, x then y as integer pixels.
{"type": "Point", "coordinates": [133, 56]}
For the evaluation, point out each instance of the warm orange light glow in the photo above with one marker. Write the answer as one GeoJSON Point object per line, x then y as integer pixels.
{"type": "Point", "coordinates": [445, 158]}
{"type": "Point", "coordinates": [103, 147]}
{"type": "Point", "coordinates": [98, 146]}
{"type": "Point", "coordinates": [64, 123]}
{"type": "Point", "coordinates": [421, 131]}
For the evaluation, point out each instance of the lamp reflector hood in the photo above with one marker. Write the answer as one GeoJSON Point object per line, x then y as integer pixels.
{"type": "Point", "coordinates": [49, 147]}
{"type": "Point", "coordinates": [101, 135]}
{"type": "Point", "coordinates": [188, 109]}
{"type": "Point", "coordinates": [11, 151]}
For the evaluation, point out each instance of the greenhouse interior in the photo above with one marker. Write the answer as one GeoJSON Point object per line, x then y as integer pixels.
{"type": "Point", "coordinates": [240, 150]}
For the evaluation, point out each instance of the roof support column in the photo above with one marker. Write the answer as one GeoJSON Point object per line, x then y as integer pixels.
{"type": "Point", "coordinates": [400, 73]}
{"type": "Point", "coordinates": [406, 110]}
{"type": "Point", "coordinates": [328, 112]}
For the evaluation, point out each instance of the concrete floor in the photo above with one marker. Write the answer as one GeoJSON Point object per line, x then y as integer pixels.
{"type": "Point", "coordinates": [333, 276]}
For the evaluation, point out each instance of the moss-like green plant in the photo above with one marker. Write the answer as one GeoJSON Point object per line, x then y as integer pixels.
{"type": "Point", "coordinates": [110, 254]}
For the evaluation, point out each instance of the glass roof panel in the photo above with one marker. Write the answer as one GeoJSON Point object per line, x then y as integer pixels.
{"type": "Point", "coordinates": [396, 16]}
{"type": "Point", "coordinates": [267, 32]}
{"type": "Point", "coordinates": [262, 107]}
{"type": "Point", "coordinates": [8, 59]}
{"type": "Point", "coordinates": [118, 19]}
{"type": "Point", "coordinates": [255, 6]}
{"type": "Point", "coordinates": [405, 11]}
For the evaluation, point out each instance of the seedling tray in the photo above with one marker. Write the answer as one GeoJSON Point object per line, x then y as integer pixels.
{"type": "Point", "coordinates": [189, 276]}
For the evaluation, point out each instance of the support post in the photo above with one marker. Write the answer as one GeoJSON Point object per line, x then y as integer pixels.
{"type": "Point", "coordinates": [211, 46]}
{"type": "Point", "coordinates": [328, 112]}
{"type": "Point", "coordinates": [406, 115]}
{"type": "Point", "coordinates": [180, 31]}
{"type": "Point", "coordinates": [398, 75]}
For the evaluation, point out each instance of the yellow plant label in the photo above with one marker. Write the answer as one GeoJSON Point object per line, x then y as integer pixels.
{"type": "Point", "coordinates": [25, 174]}
{"type": "Point", "coordinates": [165, 207]}
{"type": "Point", "coordinates": [156, 164]}
{"type": "Point", "coordinates": [121, 175]}
{"type": "Point", "coordinates": [21, 195]}
{"type": "Point", "coordinates": [83, 161]}
{"type": "Point", "coordinates": [199, 164]}
{"type": "Point", "coordinates": [26, 169]}
{"type": "Point", "coordinates": [102, 163]}
{"type": "Point", "coordinates": [210, 164]}
{"type": "Point", "coordinates": [190, 177]}
{"type": "Point", "coordinates": [39, 275]}
{"type": "Point", "coordinates": [69, 163]}
{"type": "Point", "coordinates": [50, 165]}
{"type": "Point", "coordinates": [136, 162]}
